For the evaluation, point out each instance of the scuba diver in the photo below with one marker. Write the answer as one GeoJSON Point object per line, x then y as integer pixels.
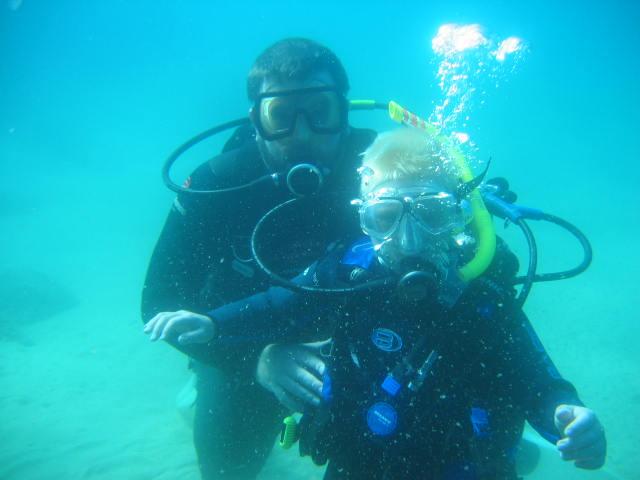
{"type": "Point", "coordinates": [430, 368]}
{"type": "Point", "coordinates": [297, 139]}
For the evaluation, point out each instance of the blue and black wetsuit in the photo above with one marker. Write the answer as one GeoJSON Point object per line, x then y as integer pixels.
{"type": "Point", "coordinates": [483, 372]}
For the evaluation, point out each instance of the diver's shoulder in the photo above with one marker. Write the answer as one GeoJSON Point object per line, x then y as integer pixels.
{"type": "Point", "coordinates": [497, 281]}
{"type": "Point", "coordinates": [229, 168]}
{"type": "Point", "coordinates": [239, 163]}
{"type": "Point", "coordinates": [237, 166]}
{"type": "Point", "coordinates": [505, 264]}
{"type": "Point", "coordinates": [359, 139]}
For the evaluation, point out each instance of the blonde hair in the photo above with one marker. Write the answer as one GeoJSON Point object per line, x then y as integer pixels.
{"type": "Point", "coordinates": [407, 154]}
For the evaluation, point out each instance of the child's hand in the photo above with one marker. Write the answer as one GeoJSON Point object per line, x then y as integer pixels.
{"type": "Point", "coordinates": [583, 439]}
{"type": "Point", "coordinates": [187, 327]}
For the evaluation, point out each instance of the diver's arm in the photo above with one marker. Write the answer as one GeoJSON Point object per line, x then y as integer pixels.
{"type": "Point", "coordinates": [176, 269]}
{"type": "Point", "coordinates": [234, 326]}
{"type": "Point", "coordinates": [275, 315]}
{"type": "Point", "coordinates": [188, 248]}
{"type": "Point", "coordinates": [247, 326]}
{"type": "Point", "coordinates": [542, 388]}
{"type": "Point", "coordinates": [554, 409]}
{"type": "Point", "coordinates": [182, 326]}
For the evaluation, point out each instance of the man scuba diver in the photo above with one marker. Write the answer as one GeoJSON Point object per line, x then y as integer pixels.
{"type": "Point", "coordinates": [299, 136]}
{"type": "Point", "coordinates": [426, 375]}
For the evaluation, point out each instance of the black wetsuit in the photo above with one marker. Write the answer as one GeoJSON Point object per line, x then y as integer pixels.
{"type": "Point", "coordinates": [465, 417]}
{"type": "Point", "coordinates": [203, 259]}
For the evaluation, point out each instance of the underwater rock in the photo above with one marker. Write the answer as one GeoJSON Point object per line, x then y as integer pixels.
{"type": "Point", "coordinates": [28, 297]}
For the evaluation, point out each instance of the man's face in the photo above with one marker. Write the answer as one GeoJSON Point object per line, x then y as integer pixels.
{"type": "Point", "coordinates": [303, 144]}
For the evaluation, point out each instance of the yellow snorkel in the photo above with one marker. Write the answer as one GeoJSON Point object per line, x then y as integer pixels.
{"type": "Point", "coordinates": [481, 224]}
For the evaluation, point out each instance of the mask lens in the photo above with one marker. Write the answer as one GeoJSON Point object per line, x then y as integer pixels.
{"type": "Point", "coordinates": [323, 111]}
{"type": "Point", "coordinates": [277, 114]}
{"type": "Point", "coordinates": [379, 218]}
{"type": "Point", "coordinates": [438, 213]}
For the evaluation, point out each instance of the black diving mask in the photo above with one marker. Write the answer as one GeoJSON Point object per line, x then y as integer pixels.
{"type": "Point", "coordinates": [324, 108]}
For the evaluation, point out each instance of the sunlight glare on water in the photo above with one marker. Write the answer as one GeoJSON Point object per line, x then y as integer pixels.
{"type": "Point", "coordinates": [468, 64]}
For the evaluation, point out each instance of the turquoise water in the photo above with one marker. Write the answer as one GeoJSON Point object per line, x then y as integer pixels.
{"type": "Point", "coordinates": [94, 95]}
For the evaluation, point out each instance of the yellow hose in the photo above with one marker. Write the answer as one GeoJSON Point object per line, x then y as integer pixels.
{"type": "Point", "coordinates": [481, 224]}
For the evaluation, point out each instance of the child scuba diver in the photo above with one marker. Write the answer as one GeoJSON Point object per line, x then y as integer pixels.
{"type": "Point", "coordinates": [427, 374]}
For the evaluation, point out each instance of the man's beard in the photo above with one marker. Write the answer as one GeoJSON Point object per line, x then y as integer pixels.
{"type": "Point", "coordinates": [280, 159]}
{"type": "Point", "coordinates": [302, 154]}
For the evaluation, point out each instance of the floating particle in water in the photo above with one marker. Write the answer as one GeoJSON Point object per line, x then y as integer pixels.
{"type": "Point", "coordinates": [28, 297]}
